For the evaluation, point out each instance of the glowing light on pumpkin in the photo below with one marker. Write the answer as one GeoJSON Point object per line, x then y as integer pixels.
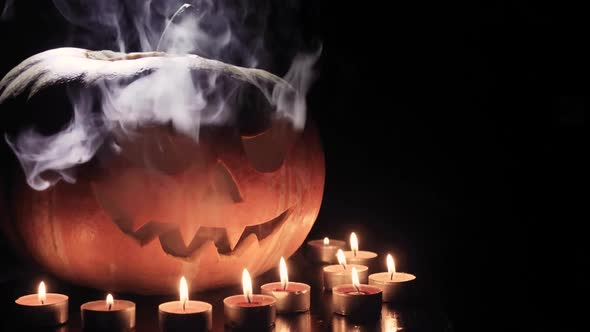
{"type": "Point", "coordinates": [283, 273]}
{"type": "Point", "coordinates": [247, 285]}
{"type": "Point", "coordinates": [326, 241]}
{"type": "Point", "coordinates": [355, 279]}
{"type": "Point", "coordinates": [354, 243]}
{"type": "Point", "coordinates": [42, 293]}
{"type": "Point", "coordinates": [183, 292]}
{"type": "Point", "coordinates": [110, 301]}
{"type": "Point", "coordinates": [390, 265]}
{"type": "Point", "coordinates": [341, 258]}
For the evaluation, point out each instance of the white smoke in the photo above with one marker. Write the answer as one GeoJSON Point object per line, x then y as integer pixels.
{"type": "Point", "coordinates": [62, 152]}
{"type": "Point", "coordinates": [8, 10]}
{"type": "Point", "coordinates": [169, 95]}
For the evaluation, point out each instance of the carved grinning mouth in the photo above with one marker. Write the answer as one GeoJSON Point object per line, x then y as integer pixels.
{"type": "Point", "coordinates": [173, 244]}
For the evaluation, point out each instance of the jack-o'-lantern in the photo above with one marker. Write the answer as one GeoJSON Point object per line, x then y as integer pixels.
{"type": "Point", "coordinates": [162, 203]}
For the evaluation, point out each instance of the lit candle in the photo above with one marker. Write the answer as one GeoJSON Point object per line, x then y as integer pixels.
{"type": "Point", "coordinates": [42, 309]}
{"type": "Point", "coordinates": [341, 273]}
{"type": "Point", "coordinates": [391, 282]}
{"type": "Point", "coordinates": [356, 256]}
{"type": "Point", "coordinates": [324, 251]}
{"type": "Point", "coordinates": [357, 301]}
{"type": "Point", "coordinates": [108, 315]}
{"type": "Point", "coordinates": [290, 296]}
{"type": "Point", "coordinates": [251, 311]}
{"type": "Point", "coordinates": [185, 314]}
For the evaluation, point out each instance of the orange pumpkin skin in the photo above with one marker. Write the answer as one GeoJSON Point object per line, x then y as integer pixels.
{"type": "Point", "coordinates": [145, 217]}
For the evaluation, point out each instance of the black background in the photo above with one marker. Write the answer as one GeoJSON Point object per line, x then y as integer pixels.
{"type": "Point", "coordinates": [452, 131]}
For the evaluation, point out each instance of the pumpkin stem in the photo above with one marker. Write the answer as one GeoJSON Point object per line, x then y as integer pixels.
{"type": "Point", "coordinates": [178, 12]}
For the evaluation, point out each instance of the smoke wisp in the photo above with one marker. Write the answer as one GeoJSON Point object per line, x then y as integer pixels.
{"type": "Point", "coordinates": [167, 94]}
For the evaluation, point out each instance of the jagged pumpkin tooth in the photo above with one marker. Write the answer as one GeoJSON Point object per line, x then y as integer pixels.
{"type": "Point", "coordinates": [188, 231]}
{"type": "Point", "coordinates": [247, 247]}
{"type": "Point", "coordinates": [233, 235]}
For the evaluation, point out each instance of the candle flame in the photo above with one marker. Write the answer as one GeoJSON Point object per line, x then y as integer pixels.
{"type": "Point", "coordinates": [354, 243]}
{"type": "Point", "coordinates": [183, 292]}
{"type": "Point", "coordinates": [42, 293]}
{"type": "Point", "coordinates": [283, 273]}
{"type": "Point", "coordinates": [390, 265]}
{"type": "Point", "coordinates": [341, 258]}
{"type": "Point", "coordinates": [247, 285]}
{"type": "Point", "coordinates": [355, 279]}
{"type": "Point", "coordinates": [110, 301]}
{"type": "Point", "coordinates": [326, 241]}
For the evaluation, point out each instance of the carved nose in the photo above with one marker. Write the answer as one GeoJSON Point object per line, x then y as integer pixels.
{"type": "Point", "coordinates": [223, 185]}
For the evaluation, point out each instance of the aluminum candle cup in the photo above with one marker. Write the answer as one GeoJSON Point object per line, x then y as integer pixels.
{"type": "Point", "coordinates": [249, 311]}
{"type": "Point", "coordinates": [335, 275]}
{"type": "Point", "coordinates": [185, 315]}
{"type": "Point", "coordinates": [259, 314]}
{"type": "Point", "coordinates": [42, 309]}
{"type": "Point", "coordinates": [193, 316]}
{"type": "Point", "coordinates": [366, 258]}
{"type": "Point", "coordinates": [293, 299]}
{"type": "Point", "coordinates": [359, 303]}
{"type": "Point", "coordinates": [393, 284]}
{"type": "Point", "coordinates": [356, 256]}
{"type": "Point", "coordinates": [52, 313]}
{"type": "Point", "coordinates": [393, 288]}
{"type": "Point", "coordinates": [100, 316]}
{"type": "Point", "coordinates": [290, 296]}
{"type": "Point", "coordinates": [322, 251]}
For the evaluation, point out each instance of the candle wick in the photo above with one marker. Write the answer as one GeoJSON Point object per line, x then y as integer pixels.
{"type": "Point", "coordinates": [42, 302]}
{"type": "Point", "coordinates": [110, 306]}
{"type": "Point", "coordinates": [354, 252]}
{"type": "Point", "coordinates": [183, 305]}
{"type": "Point", "coordinates": [249, 299]}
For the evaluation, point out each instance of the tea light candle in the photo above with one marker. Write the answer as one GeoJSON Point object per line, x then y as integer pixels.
{"type": "Point", "coordinates": [354, 256]}
{"type": "Point", "coordinates": [42, 309]}
{"type": "Point", "coordinates": [290, 296]}
{"type": "Point", "coordinates": [185, 314]}
{"type": "Point", "coordinates": [109, 315]}
{"type": "Point", "coordinates": [324, 251]}
{"type": "Point", "coordinates": [335, 275]}
{"type": "Point", "coordinates": [390, 282]}
{"type": "Point", "coordinates": [357, 301]}
{"type": "Point", "coordinates": [250, 311]}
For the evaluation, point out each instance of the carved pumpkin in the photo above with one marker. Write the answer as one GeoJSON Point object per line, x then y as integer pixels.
{"type": "Point", "coordinates": [167, 205]}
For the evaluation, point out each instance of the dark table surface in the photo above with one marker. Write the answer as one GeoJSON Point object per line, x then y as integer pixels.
{"type": "Point", "coordinates": [418, 314]}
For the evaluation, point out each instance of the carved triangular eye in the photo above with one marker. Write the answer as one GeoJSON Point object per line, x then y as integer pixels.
{"type": "Point", "coordinates": [267, 150]}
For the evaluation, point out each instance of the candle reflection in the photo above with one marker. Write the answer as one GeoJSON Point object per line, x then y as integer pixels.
{"type": "Point", "coordinates": [293, 323]}
{"type": "Point", "coordinates": [342, 324]}
{"type": "Point", "coordinates": [390, 319]}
